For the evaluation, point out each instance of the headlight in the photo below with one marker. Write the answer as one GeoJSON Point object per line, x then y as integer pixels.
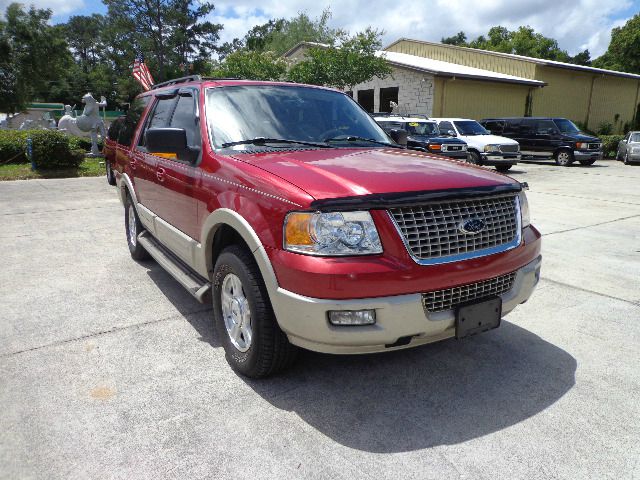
{"type": "Point", "coordinates": [492, 148]}
{"type": "Point", "coordinates": [331, 234]}
{"type": "Point", "coordinates": [582, 146]}
{"type": "Point", "coordinates": [524, 209]}
{"type": "Point", "coordinates": [463, 148]}
{"type": "Point", "coordinates": [635, 150]}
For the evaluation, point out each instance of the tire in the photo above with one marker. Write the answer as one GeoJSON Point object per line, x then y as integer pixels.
{"type": "Point", "coordinates": [133, 227]}
{"type": "Point", "coordinates": [564, 158]}
{"type": "Point", "coordinates": [474, 158]}
{"type": "Point", "coordinates": [587, 162]}
{"type": "Point", "coordinates": [504, 168]}
{"type": "Point", "coordinates": [111, 177]}
{"type": "Point", "coordinates": [262, 349]}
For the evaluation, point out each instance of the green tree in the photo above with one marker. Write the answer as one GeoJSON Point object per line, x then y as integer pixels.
{"type": "Point", "coordinates": [353, 60]}
{"type": "Point", "coordinates": [622, 54]}
{"type": "Point", "coordinates": [172, 33]}
{"type": "Point", "coordinates": [33, 55]}
{"type": "Point", "coordinates": [459, 38]}
{"type": "Point", "coordinates": [524, 41]}
{"type": "Point", "coordinates": [84, 36]}
{"type": "Point", "coordinates": [251, 65]}
{"type": "Point", "coordinates": [301, 29]}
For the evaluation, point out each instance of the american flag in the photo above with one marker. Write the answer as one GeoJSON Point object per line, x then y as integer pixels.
{"type": "Point", "coordinates": [142, 74]}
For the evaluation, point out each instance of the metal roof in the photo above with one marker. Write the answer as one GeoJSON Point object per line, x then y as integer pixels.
{"type": "Point", "coordinates": [455, 70]}
{"type": "Point", "coordinates": [538, 61]}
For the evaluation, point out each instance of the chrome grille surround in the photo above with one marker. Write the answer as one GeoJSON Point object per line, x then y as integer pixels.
{"type": "Point", "coordinates": [450, 298]}
{"type": "Point", "coordinates": [431, 231]}
{"type": "Point", "coordinates": [509, 148]}
{"type": "Point", "coordinates": [594, 146]}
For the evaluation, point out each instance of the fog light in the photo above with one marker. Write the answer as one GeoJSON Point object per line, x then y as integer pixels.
{"type": "Point", "coordinates": [352, 317]}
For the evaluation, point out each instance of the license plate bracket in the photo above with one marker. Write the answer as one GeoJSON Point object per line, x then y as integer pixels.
{"type": "Point", "coordinates": [474, 318]}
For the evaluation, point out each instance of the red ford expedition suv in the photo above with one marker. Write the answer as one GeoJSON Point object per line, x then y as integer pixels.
{"type": "Point", "coordinates": [305, 225]}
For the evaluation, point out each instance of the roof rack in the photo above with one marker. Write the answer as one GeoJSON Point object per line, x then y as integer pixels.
{"type": "Point", "coordinates": [175, 81]}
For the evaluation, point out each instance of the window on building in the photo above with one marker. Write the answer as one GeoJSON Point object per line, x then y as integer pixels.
{"type": "Point", "coordinates": [388, 95]}
{"type": "Point", "coordinates": [365, 98]}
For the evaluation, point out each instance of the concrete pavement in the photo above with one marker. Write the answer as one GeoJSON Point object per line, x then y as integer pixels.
{"type": "Point", "coordinates": [108, 369]}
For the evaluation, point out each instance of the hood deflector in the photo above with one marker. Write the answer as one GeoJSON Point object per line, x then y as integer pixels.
{"type": "Point", "coordinates": [407, 199]}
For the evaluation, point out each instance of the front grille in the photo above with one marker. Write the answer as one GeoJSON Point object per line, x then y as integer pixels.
{"type": "Point", "coordinates": [452, 148]}
{"type": "Point", "coordinates": [594, 146]}
{"type": "Point", "coordinates": [509, 148]}
{"type": "Point", "coordinates": [449, 298]}
{"type": "Point", "coordinates": [433, 231]}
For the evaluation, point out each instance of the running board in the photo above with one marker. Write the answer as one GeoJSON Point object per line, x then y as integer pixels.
{"type": "Point", "coordinates": [195, 285]}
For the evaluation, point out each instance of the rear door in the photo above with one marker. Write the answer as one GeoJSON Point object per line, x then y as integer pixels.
{"type": "Point", "coordinates": [526, 136]}
{"type": "Point", "coordinates": [176, 178]}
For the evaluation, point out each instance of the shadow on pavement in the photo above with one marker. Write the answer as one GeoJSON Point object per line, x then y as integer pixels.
{"type": "Point", "coordinates": [438, 394]}
{"type": "Point", "coordinates": [197, 314]}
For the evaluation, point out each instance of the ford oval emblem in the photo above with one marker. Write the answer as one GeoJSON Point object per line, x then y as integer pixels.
{"type": "Point", "coordinates": [472, 226]}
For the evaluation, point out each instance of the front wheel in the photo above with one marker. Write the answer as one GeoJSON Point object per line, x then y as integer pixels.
{"type": "Point", "coordinates": [474, 158]}
{"type": "Point", "coordinates": [243, 317]}
{"type": "Point", "coordinates": [504, 168]}
{"type": "Point", "coordinates": [588, 162]}
{"type": "Point", "coordinates": [564, 158]}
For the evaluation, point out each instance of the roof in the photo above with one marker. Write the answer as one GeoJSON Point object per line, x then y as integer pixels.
{"type": "Point", "coordinates": [537, 61]}
{"type": "Point", "coordinates": [300, 45]}
{"type": "Point", "coordinates": [454, 70]}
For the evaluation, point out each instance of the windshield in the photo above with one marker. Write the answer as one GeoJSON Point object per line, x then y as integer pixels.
{"type": "Point", "coordinates": [470, 127]}
{"type": "Point", "coordinates": [635, 137]}
{"type": "Point", "coordinates": [566, 126]}
{"type": "Point", "coordinates": [307, 114]}
{"type": "Point", "coordinates": [422, 128]}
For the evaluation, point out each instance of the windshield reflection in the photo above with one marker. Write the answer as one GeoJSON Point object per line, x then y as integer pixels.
{"type": "Point", "coordinates": [243, 112]}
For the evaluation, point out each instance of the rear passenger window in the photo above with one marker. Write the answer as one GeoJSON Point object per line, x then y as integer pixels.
{"type": "Point", "coordinates": [159, 117]}
{"type": "Point", "coordinates": [185, 117]}
{"type": "Point", "coordinates": [511, 127]}
{"type": "Point", "coordinates": [494, 126]}
{"type": "Point", "coordinates": [131, 119]}
{"type": "Point", "coordinates": [545, 127]}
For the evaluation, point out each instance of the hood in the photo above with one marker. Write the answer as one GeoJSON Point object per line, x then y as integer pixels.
{"type": "Point", "coordinates": [436, 138]}
{"type": "Point", "coordinates": [335, 173]}
{"type": "Point", "coordinates": [583, 137]}
{"type": "Point", "coordinates": [488, 140]}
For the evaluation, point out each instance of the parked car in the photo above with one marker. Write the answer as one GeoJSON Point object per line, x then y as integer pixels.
{"type": "Point", "coordinates": [423, 133]}
{"type": "Point", "coordinates": [547, 137]}
{"type": "Point", "coordinates": [629, 148]}
{"type": "Point", "coordinates": [289, 209]}
{"type": "Point", "coordinates": [483, 147]}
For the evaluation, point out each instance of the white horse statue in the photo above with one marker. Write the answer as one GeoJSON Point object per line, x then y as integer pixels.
{"type": "Point", "coordinates": [89, 122]}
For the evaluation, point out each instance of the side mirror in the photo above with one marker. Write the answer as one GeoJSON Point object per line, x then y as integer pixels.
{"type": "Point", "coordinates": [452, 133]}
{"type": "Point", "coordinates": [170, 140]}
{"type": "Point", "coordinates": [399, 136]}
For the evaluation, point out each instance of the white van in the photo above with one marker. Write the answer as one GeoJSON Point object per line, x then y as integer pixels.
{"type": "Point", "coordinates": [483, 147]}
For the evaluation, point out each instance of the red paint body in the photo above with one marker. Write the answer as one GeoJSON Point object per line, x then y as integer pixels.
{"type": "Point", "coordinates": [264, 187]}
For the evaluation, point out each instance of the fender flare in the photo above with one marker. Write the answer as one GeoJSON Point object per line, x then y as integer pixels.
{"type": "Point", "coordinates": [124, 185]}
{"type": "Point", "coordinates": [231, 218]}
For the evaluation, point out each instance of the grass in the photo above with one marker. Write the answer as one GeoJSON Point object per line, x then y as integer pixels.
{"type": "Point", "coordinates": [90, 167]}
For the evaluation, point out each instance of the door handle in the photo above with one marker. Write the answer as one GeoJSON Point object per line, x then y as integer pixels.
{"type": "Point", "coordinates": [133, 162]}
{"type": "Point", "coordinates": [160, 174]}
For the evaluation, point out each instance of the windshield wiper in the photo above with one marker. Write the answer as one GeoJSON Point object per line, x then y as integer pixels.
{"type": "Point", "coordinates": [264, 141]}
{"type": "Point", "coordinates": [352, 138]}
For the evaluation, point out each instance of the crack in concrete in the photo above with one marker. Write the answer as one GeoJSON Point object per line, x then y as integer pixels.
{"type": "Point", "coordinates": [592, 225]}
{"type": "Point", "coordinates": [53, 211]}
{"type": "Point", "coordinates": [584, 198]}
{"type": "Point", "coordinates": [586, 290]}
{"type": "Point", "coordinates": [103, 332]}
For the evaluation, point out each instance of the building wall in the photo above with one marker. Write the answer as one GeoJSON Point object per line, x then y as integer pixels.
{"type": "Point", "coordinates": [415, 94]}
{"type": "Point", "coordinates": [586, 97]}
{"type": "Point", "coordinates": [478, 100]}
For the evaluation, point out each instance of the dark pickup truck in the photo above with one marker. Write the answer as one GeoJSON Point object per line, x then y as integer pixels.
{"type": "Point", "coordinates": [547, 137]}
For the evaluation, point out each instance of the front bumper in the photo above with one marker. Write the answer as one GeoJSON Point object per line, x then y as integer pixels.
{"type": "Point", "coordinates": [587, 154]}
{"type": "Point", "coordinates": [457, 154]}
{"type": "Point", "coordinates": [500, 158]}
{"type": "Point", "coordinates": [305, 321]}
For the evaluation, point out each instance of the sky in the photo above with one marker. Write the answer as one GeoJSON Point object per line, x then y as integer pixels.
{"type": "Point", "coordinates": [575, 24]}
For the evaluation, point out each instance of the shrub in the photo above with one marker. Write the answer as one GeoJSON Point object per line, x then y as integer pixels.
{"type": "Point", "coordinates": [610, 144]}
{"type": "Point", "coordinates": [82, 143]}
{"type": "Point", "coordinates": [13, 144]}
{"type": "Point", "coordinates": [605, 128]}
{"type": "Point", "coordinates": [51, 150]}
